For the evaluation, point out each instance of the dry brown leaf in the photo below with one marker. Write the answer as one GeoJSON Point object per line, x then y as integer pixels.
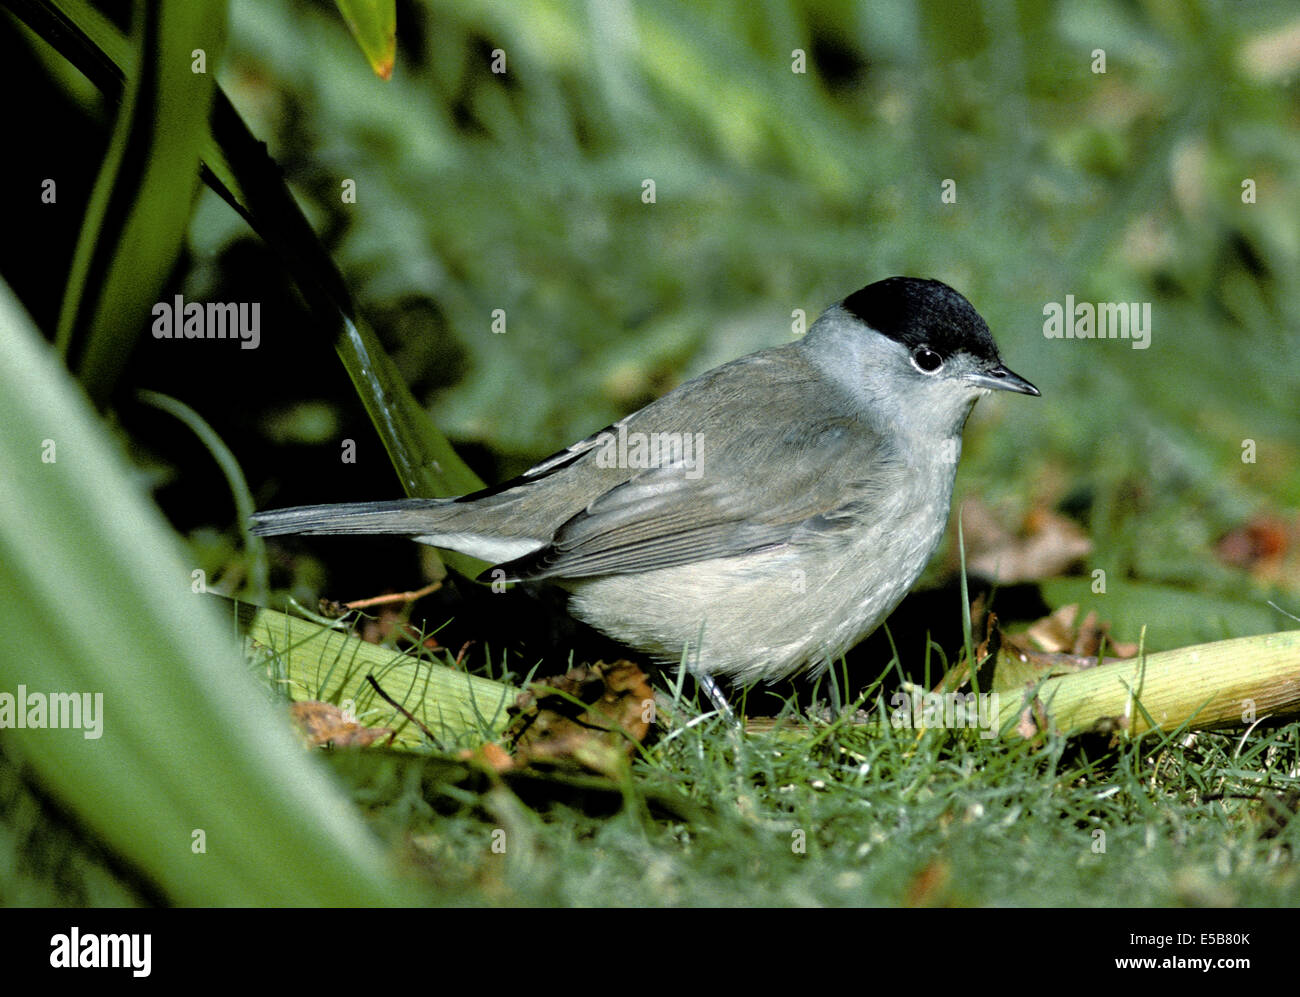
{"type": "Point", "coordinates": [1032, 721]}
{"type": "Point", "coordinates": [490, 755]}
{"type": "Point", "coordinates": [1046, 545]}
{"type": "Point", "coordinates": [326, 724]}
{"type": "Point", "coordinates": [1009, 663]}
{"type": "Point", "coordinates": [1268, 547]}
{"type": "Point", "coordinates": [1057, 633]}
{"type": "Point", "coordinates": [929, 887]}
{"type": "Point", "coordinates": [616, 712]}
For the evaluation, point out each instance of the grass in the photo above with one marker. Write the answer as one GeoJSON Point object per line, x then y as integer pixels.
{"type": "Point", "coordinates": [858, 814]}
{"type": "Point", "coordinates": [868, 814]}
{"type": "Point", "coordinates": [839, 803]}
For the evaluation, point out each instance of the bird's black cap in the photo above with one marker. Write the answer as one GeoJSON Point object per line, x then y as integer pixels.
{"type": "Point", "coordinates": [919, 312]}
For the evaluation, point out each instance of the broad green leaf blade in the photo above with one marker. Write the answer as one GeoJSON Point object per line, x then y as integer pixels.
{"type": "Point", "coordinates": [193, 778]}
{"type": "Point", "coordinates": [316, 662]}
{"type": "Point", "coordinates": [141, 201]}
{"type": "Point", "coordinates": [373, 24]}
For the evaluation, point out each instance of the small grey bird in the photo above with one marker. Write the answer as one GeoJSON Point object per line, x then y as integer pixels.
{"type": "Point", "coordinates": [761, 518]}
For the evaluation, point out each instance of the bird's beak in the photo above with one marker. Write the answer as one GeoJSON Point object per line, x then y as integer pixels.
{"type": "Point", "coordinates": [1000, 379]}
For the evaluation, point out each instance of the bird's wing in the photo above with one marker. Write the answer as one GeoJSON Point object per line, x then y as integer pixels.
{"type": "Point", "coordinates": [760, 491]}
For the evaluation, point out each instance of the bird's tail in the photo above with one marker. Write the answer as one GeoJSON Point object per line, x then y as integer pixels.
{"type": "Point", "coordinates": [485, 532]}
{"type": "Point", "coordinates": [400, 517]}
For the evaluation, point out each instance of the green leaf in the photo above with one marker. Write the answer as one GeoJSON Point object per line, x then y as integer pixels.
{"type": "Point", "coordinates": [318, 662]}
{"type": "Point", "coordinates": [193, 779]}
{"type": "Point", "coordinates": [373, 24]}
{"type": "Point", "coordinates": [141, 202]}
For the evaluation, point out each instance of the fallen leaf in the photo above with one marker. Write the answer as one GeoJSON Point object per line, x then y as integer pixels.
{"type": "Point", "coordinates": [325, 724]}
{"type": "Point", "coordinates": [1268, 547]}
{"type": "Point", "coordinates": [490, 755]}
{"type": "Point", "coordinates": [591, 715]}
{"type": "Point", "coordinates": [1008, 663]}
{"type": "Point", "coordinates": [1046, 545]}
{"type": "Point", "coordinates": [1033, 720]}
{"type": "Point", "coordinates": [929, 886]}
{"type": "Point", "coordinates": [1057, 633]}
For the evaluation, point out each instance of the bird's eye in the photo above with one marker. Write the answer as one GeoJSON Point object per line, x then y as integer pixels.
{"type": "Point", "coordinates": [926, 360]}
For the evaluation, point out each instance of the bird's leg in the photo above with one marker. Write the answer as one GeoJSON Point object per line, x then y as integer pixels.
{"type": "Point", "coordinates": [715, 695]}
{"type": "Point", "coordinates": [705, 681]}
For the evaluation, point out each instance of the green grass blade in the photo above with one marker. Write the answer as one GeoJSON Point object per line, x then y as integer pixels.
{"type": "Point", "coordinates": [259, 570]}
